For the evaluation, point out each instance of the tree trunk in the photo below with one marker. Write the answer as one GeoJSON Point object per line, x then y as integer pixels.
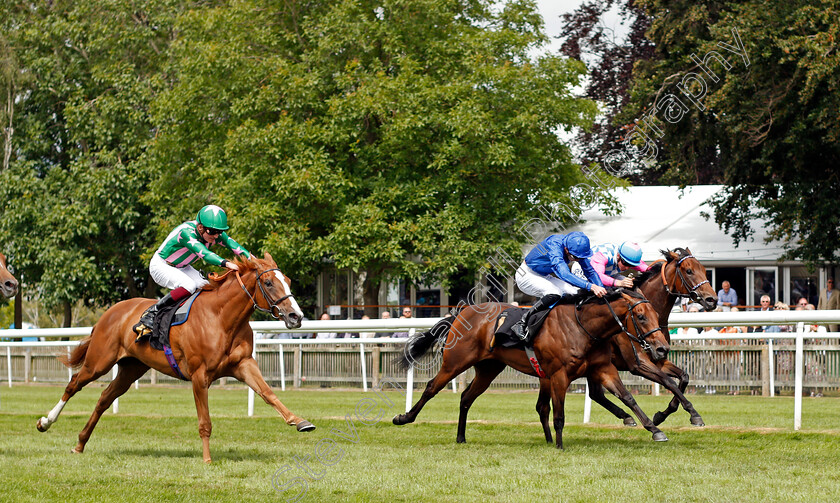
{"type": "Point", "coordinates": [68, 314]}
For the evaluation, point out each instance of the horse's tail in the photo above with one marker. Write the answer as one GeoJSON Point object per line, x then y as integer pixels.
{"type": "Point", "coordinates": [420, 344]}
{"type": "Point", "coordinates": [77, 357]}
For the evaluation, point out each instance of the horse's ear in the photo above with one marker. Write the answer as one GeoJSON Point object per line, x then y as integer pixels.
{"type": "Point", "coordinates": [267, 257]}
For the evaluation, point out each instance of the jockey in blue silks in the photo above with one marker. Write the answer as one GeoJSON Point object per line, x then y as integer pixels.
{"type": "Point", "coordinates": [545, 274]}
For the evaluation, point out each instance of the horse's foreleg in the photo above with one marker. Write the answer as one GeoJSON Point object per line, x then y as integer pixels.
{"type": "Point", "coordinates": [127, 374]}
{"type": "Point", "coordinates": [679, 398]}
{"type": "Point", "coordinates": [559, 385]}
{"type": "Point", "coordinates": [596, 393]}
{"type": "Point", "coordinates": [200, 385]}
{"type": "Point", "coordinates": [249, 372]}
{"type": "Point", "coordinates": [544, 407]}
{"type": "Point", "coordinates": [608, 376]}
{"type": "Point", "coordinates": [485, 372]}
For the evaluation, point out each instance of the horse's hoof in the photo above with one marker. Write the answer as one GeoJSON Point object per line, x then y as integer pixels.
{"type": "Point", "coordinates": [658, 418]}
{"type": "Point", "coordinates": [76, 450]}
{"type": "Point", "coordinates": [697, 421]}
{"type": "Point", "coordinates": [460, 440]}
{"type": "Point", "coordinates": [41, 426]}
{"type": "Point", "coordinates": [301, 426]}
{"type": "Point", "coordinates": [659, 437]}
{"type": "Point", "coordinates": [629, 421]}
{"type": "Point", "coordinates": [399, 419]}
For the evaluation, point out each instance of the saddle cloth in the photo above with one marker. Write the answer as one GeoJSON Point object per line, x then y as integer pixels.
{"type": "Point", "coordinates": [505, 338]}
{"type": "Point", "coordinates": [169, 317]}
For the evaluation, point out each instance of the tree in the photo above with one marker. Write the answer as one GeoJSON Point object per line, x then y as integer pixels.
{"type": "Point", "coordinates": [768, 128]}
{"type": "Point", "coordinates": [394, 138]}
{"type": "Point", "coordinates": [72, 215]}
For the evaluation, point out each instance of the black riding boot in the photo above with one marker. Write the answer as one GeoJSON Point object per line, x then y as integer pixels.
{"type": "Point", "coordinates": [144, 328]}
{"type": "Point", "coordinates": [520, 328]}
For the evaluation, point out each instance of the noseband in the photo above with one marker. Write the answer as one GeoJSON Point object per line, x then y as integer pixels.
{"type": "Point", "coordinates": [272, 307]}
{"type": "Point", "coordinates": [692, 291]}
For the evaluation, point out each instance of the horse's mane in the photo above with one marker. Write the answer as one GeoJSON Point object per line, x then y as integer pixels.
{"type": "Point", "coordinates": [657, 267]}
{"type": "Point", "coordinates": [587, 297]}
{"type": "Point", "coordinates": [216, 280]}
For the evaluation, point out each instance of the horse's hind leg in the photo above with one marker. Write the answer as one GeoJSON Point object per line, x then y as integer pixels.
{"type": "Point", "coordinates": [596, 393]}
{"type": "Point", "coordinates": [679, 396]}
{"type": "Point", "coordinates": [129, 371]}
{"type": "Point", "coordinates": [485, 372]}
{"type": "Point", "coordinates": [89, 371]}
{"type": "Point", "coordinates": [544, 408]}
{"type": "Point", "coordinates": [452, 366]}
{"type": "Point", "coordinates": [249, 372]}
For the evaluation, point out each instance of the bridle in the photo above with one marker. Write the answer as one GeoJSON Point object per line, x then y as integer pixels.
{"type": "Point", "coordinates": [671, 289]}
{"type": "Point", "coordinates": [272, 307]}
{"type": "Point", "coordinates": [641, 338]}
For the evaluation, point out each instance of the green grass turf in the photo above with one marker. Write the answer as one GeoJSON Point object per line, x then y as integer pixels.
{"type": "Point", "coordinates": [150, 451]}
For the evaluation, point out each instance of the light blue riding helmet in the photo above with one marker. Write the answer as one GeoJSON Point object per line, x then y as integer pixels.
{"type": "Point", "coordinates": [631, 253]}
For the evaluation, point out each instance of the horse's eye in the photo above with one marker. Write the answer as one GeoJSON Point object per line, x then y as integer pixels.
{"type": "Point", "coordinates": [642, 317]}
{"type": "Point", "coordinates": [689, 271]}
{"type": "Point", "coordinates": [268, 283]}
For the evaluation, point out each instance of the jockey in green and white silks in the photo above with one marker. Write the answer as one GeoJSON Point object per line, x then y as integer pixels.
{"type": "Point", "coordinates": [171, 267]}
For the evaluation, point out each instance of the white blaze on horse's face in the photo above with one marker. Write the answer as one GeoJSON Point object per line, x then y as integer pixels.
{"type": "Point", "coordinates": [292, 300]}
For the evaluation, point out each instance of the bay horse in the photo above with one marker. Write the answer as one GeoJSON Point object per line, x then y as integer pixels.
{"type": "Point", "coordinates": [679, 275]}
{"type": "Point", "coordinates": [8, 283]}
{"type": "Point", "coordinates": [572, 343]}
{"type": "Point", "coordinates": [215, 342]}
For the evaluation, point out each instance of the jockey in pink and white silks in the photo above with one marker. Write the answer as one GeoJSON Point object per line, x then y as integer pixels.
{"type": "Point", "coordinates": [170, 265]}
{"type": "Point", "coordinates": [610, 260]}
{"type": "Point", "coordinates": [545, 274]}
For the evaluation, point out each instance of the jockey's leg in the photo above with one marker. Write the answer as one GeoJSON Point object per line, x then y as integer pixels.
{"type": "Point", "coordinates": [548, 290]}
{"type": "Point", "coordinates": [183, 281]}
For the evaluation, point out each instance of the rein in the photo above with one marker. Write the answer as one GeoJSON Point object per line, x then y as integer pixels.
{"type": "Point", "coordinates": [273, 306]}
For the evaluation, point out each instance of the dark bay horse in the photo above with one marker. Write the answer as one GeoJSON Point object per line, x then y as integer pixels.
{"type": "Point", "coordinates": [216, 341]}
{"type": "Point", "coordinates": [680, 274]}
{"type": "Point", "coordinates": [573, 343]}
{"type": "Point", "coordinates": [8, 283]}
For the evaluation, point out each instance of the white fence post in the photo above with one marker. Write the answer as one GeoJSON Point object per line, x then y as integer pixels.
{"type": "Point", "coordinates": [587, 405]}
{"type": "Point", "coordinates": [797, 388]}
{"type": "Point", "coordinates": [114, 376]}
{"type": "Point", "coordinates": [409, 382]}
{"type": "Point", "coordinates": [9, 363]}
{"type": "Point", "coordinates": [251, 390]}
{"type": "Point", "coordinates": [364, 368]}
{"type": "Point", "coordinates": [282, 369]}
{"type": "Point", "coordinates": [772, 369]}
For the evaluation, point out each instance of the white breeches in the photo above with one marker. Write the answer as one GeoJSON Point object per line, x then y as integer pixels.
{"type": "Point", "coordinates": [539, 286]}
{"type": "Point", "coordinates": [172, 277]}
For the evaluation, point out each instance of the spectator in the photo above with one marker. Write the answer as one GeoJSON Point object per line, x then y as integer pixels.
{"type": "Point", "coordinates": [765, 306]}
{"type": "Point", "coordinates": [326, 335]}
{"type": "Point", "coordinates": [829, 299]}
{"type": "Point", "coordinates": [386, 315]}
{"type": "Point", "coordinates": [406, 313]}
{"type": "Point", "coordinates": [733, 329]}
{"type": "Point", "coordinates": [689, 330]}
{"type": "Point", "coordinates": [779, 306]}
{"type": "Point", "coordinates": [727, 297]}
{"type": "Point", "coordinates": [366, 335]}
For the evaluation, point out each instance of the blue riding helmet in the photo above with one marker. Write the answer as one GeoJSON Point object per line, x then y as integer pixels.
{"type": "Point", "coordinates": [630, 253]}
{"type": "Point", "coordinates": [578, 244]}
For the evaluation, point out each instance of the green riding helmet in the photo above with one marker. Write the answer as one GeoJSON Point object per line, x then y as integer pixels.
{"type": "Point", "coordinates": [213, 217]}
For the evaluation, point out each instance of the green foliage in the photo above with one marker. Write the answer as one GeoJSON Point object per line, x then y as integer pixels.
{"type": "Point", "coordinates": [770, 131]}
{"type": "Point", "coordinates": [367, 133]}
{"type": "Point", "coordinates": [400, 138]}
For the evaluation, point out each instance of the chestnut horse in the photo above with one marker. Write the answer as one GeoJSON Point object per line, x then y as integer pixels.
{"type": "Point", "coordinates": [680, 274]}
{"type": "Point", "coordinates": [215, 342]}
{"type": "Point", "coordinates": [8, 283]}
{"type": "Point", "coordinates": [572, 343]}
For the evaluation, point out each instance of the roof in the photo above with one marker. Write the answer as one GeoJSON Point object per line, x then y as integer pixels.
{"type": "Point", "coordinates": [667, 217]}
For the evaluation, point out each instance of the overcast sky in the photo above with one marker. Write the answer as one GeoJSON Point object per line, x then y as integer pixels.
{"type": "Point", "coordinates": [551, 11]}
